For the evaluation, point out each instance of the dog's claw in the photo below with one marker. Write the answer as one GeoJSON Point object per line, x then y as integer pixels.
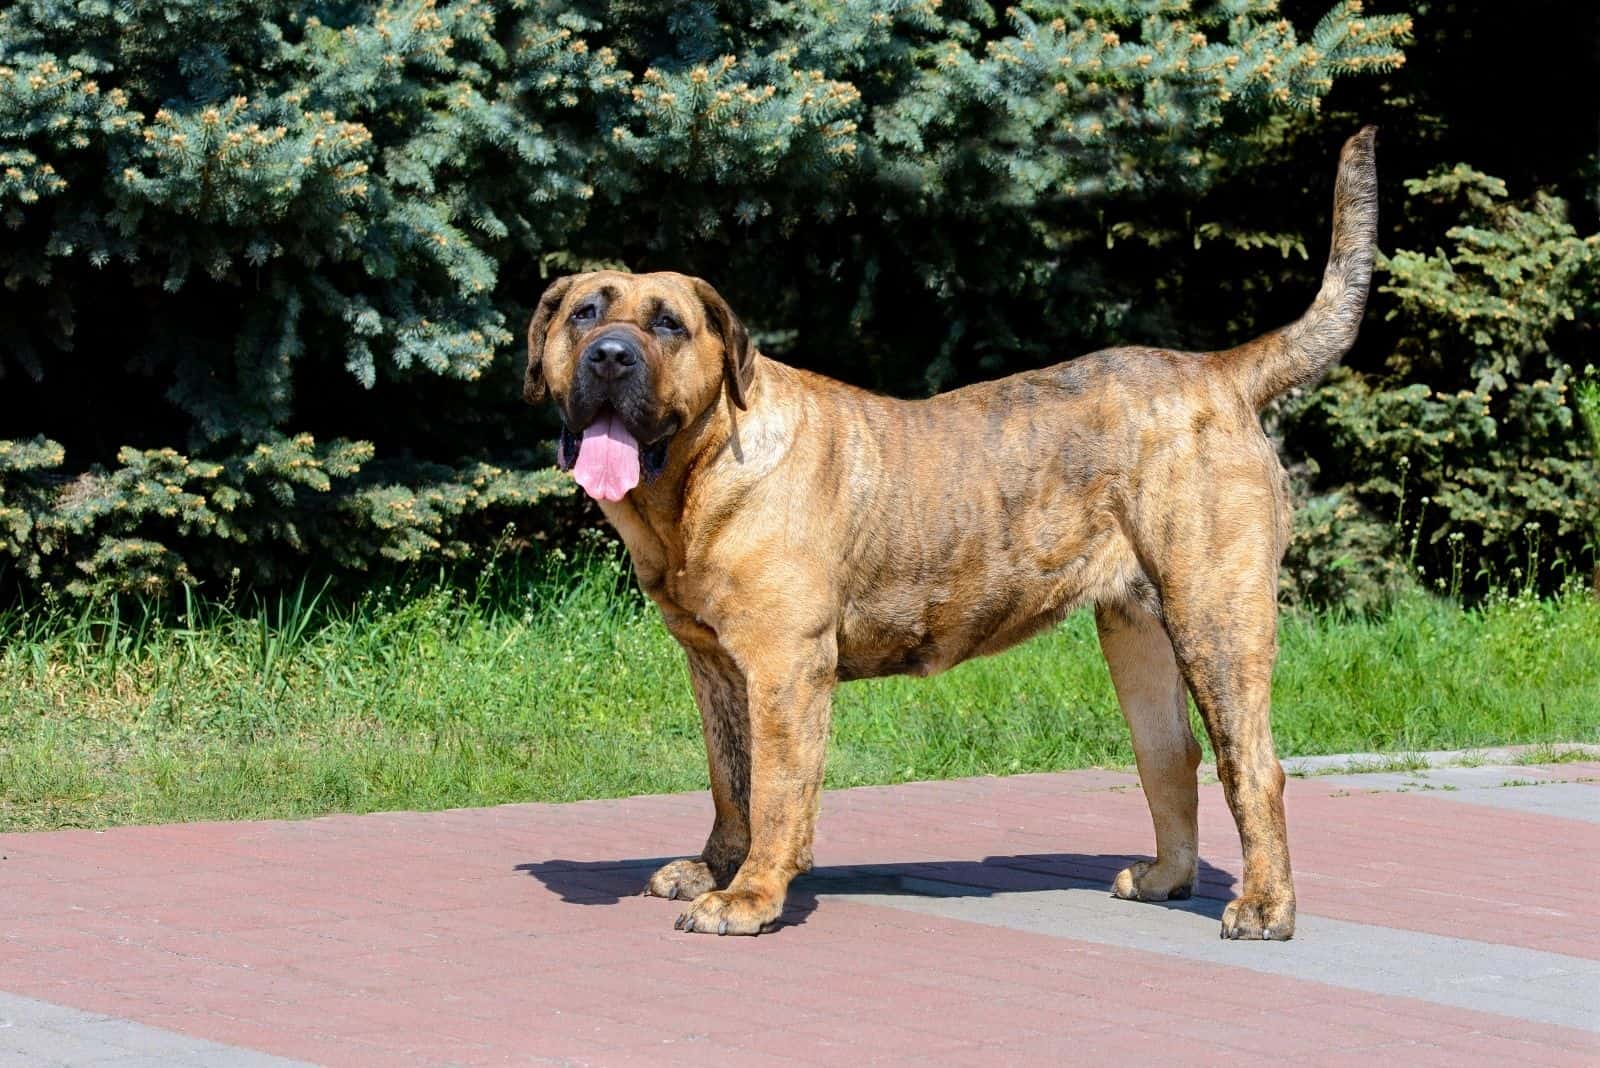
{"type": "Point", "coordinates": [672, 895]}
{"type": "Point", "coordinates": [722, 928]}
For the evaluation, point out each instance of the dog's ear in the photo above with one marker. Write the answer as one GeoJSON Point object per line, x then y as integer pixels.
{"type": "Point", "coordinates": [738, 357]}
{"type": "Point", "coordinates": [533, 386]}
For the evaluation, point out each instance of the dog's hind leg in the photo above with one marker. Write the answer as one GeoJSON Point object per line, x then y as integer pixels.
{"type": "Point", "coordinates": [719, 690]}
{"type": "Point", "coordinates": [1223, 624]}
{"type": "Point", "coordinates": [1150, 691]}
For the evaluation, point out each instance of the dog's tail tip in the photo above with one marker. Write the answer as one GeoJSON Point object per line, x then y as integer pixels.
{"type": "Point", "coordinates": [1302, 352]}
{"type": "Point", "coordinates": [1360, 148]}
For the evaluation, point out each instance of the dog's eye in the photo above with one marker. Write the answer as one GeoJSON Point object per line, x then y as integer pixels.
{"type": "Point", "coordinates": [585, 314]}
{"type": "Point", "coordinates": [666, 324]}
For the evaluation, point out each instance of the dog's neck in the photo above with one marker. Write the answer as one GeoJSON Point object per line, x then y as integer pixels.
{"type": "Point", "coordinates": [650, 517]}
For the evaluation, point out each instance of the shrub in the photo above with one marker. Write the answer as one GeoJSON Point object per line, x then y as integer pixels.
{"type": "Point", "coordinates": [162, 518]}
{"type": "Point", "coordinates": [1466, 456]}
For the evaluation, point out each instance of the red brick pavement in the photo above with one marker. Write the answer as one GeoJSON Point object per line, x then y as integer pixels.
{"type": "Point", "coordinates": [507, 934]}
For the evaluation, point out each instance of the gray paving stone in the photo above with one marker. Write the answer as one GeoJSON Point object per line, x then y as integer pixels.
{"type": "Point", "coordinates": [46, 1045]}
{"type": "Point", "coordinates": [1509, 980]}
{"type": "Point", "coordinates": [1350, 763]}
{"type": "Point", "coordinates": [135, 1037]}
{"type": "Point", "coordinates": [1518, 789]}
{"type": "Point", "coordinates": [149, 1060]}
{"type": "Point", "coordinates": [1569, 800]}
{"type": "Point", "coordinates": [41, 1033]}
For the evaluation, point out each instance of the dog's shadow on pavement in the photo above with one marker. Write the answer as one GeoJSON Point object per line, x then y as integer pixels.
{"type": "Point", "coordinates": [609, 881]}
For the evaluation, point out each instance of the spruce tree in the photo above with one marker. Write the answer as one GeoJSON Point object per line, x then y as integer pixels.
{"type": "Point", "coordinates": [266, 261]}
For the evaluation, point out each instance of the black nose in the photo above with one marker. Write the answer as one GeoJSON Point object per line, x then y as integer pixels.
{"type": "Point", "coordinates": [611, 357]}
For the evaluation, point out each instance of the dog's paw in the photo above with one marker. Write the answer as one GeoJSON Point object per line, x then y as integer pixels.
{"type": "Point", "coordinates": [741, 912]}
{"type": "Point", "coordinates": [1259, 916]}
{"type": "Point", "coordinates": [1150, 880]}
{"type": "Point", "coordinates": [683, 879]}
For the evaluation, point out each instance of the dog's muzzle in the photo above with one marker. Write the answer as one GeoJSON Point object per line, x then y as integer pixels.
{"type": "Point", "coordinates": [612, 435]}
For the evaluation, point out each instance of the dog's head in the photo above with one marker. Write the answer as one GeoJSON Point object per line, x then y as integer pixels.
{"type": "Point", "coordinates": [630, 360]}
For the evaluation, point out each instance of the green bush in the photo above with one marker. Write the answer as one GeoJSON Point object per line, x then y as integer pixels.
{"type": "Point", "coordinates": [246, 225]}
{"type": "Point", "coordinates": [1589, 405]}
{"type": "Point", "coordinates": [162, 519]}
{"type": "Point", "coordinates": [1466, 457]}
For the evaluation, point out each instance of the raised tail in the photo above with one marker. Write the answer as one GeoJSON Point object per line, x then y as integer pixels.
{"type": "Point", "coordinates": [1302, 352]}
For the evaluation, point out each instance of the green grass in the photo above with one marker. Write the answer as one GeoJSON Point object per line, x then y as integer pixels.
{"type": "Point", "coordinates": [1376, 765]}
{"type": "Point", "coordinates": [566, 686]}
{"type": "Point", "coordinates": [1545, 753]}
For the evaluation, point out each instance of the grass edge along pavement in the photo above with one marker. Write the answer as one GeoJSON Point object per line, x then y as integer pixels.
{"type": "Point", "coordinates": [563, 685]}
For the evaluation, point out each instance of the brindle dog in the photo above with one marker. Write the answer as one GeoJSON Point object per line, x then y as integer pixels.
{"type": "Point", "coordinates": [797, 532]}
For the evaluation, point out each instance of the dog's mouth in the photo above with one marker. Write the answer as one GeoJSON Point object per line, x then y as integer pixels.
{"type": "Point", "coordinates": [607, 459]}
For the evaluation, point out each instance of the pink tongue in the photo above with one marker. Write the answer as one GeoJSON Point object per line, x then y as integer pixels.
{"type": "Point", "coordinates": [608, 460]}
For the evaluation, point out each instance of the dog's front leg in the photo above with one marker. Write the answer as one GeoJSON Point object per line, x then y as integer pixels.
{"type": "Point", "coordinates": [721, 693]}
{"type": "Point", "coordinates": [790, 693]}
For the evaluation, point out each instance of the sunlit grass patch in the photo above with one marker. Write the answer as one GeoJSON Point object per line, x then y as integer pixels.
{"type": "Point", "coordinates": [563, 684]}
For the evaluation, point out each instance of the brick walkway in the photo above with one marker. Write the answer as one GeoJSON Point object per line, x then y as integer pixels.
{"type": "Point", "coordinates": [1445, 917]}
